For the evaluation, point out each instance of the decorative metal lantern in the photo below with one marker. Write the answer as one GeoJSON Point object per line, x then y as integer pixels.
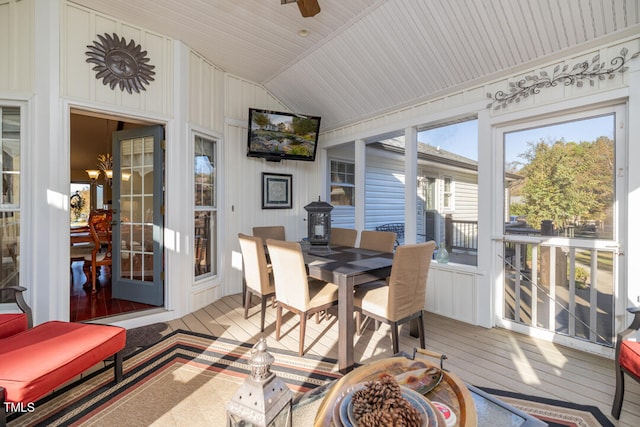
{"type": "Point", "coordinates": [263, 399]}
{"type": "Point", "coordinates": [319, 222]}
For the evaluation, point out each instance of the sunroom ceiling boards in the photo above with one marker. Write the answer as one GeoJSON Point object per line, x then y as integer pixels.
{"type": "Point", "coordinates": [362, 58]}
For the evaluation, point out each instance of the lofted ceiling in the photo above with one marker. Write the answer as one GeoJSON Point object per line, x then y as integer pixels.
{"type": "Point", "coordinates": [361, 58]}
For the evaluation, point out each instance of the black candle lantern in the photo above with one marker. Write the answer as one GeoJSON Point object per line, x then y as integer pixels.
{"type": "Point", "coordinates": [319, 222]}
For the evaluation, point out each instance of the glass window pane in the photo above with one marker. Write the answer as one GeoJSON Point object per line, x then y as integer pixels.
{"type": "Point", "coordinates": [205, 173]}
{"type": "Point", "coordinates": [9, 205]}
{"type": "Point", "coordinates": [342, 195]}
{"type": "Point", "coordinates": [205, 200]}
{"type": "Point", "coordinates": [204, 239]}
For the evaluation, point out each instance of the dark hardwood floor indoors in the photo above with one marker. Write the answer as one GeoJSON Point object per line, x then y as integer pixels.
{"type": "Point", "coordinates": [85, 306]}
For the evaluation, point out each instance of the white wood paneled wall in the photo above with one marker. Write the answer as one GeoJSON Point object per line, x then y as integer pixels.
{"type": "Point", "coordinates": [243, 188]}
{"type": "Point", "coordinates": [80, 29]}
{"type": "Point", "coordinates": [453, 292]}
{"type": "Point", "coordinates": [16, 46]}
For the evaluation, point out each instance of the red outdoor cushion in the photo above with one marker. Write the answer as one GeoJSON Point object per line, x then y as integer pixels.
{"type": "Point", "coordinates": [36, 361]}
{"type": "Point", "coordinates": [630, 356]}
{"type": "Point", "coordinates": [11, 324]}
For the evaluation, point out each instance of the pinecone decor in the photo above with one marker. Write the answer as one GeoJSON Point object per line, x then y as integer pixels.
{"type": "Point", "coordinates": [380, 404]}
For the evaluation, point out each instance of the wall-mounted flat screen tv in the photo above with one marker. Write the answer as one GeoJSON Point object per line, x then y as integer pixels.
{"type": "Point", "coordinates": [276, 136]}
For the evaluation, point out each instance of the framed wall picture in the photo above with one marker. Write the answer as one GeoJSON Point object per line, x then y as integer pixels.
{"type": "Point", "coordinates": [276, 191]}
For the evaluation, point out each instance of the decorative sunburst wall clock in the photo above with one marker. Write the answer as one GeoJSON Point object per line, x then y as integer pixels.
{"type": "Point", "coordinates": [119, 63]}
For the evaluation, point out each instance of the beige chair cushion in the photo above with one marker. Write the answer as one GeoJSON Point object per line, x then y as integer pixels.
{"type": "Point", "coordinates": [343, 237]}
{"type": "Point", "coordinates": [406, 290]}
{"type": "Point", "coordinates": [382, 241]}
{"type": "Point", "coordinates": [321, 293]}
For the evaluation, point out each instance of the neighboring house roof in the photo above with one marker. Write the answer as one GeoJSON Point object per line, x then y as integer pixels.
{"type": "Point", "coordinates": [428, 153]}
{"type": "Point", "coordinates": [433, 154]}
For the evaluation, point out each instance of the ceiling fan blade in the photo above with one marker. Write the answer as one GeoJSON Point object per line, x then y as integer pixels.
{"type": "Point", "coordinates": [308, 8]}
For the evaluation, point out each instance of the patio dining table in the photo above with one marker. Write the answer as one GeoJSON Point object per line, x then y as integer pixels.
{"type": "Point", "coordinates": [347, 267]}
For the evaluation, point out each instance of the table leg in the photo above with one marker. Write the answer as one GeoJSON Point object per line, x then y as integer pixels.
{"type": "Point", "coordinates": [346, 327]}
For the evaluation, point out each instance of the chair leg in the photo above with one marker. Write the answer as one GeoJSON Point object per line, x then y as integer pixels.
{"type": "Point", "coordinates": [617, 401]}
{"type": "Point", "coordinates": [303, 327]}
{"type": "Point", "coordinates": [378, 323]}
{"type": "Point", "coordinates": [394, 337]}
{"type": "Point", "coordinates": [278, 321]}
{"type": "Point", "coordinates": [358, 323]}
{"type": "Point", "coordinates": [247, 302]}
{"type": "Point", "coordinates": [263, 308]}
{"type": "Point", "coordinates": [421, 330]}
{"type": "Point", "coordinates": [93, 279]}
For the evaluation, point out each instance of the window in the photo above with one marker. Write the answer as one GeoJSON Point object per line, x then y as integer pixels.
{"type": "Point", "coordinates": [342, 183]}
{"type": "Point", "coordinates": [447, 193]}
{"type": "Point", "coordinates": [205, 213]}
{"type": "Point", "coordinates": [10, 186]}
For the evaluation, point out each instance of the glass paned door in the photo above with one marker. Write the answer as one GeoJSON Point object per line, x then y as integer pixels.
{"type": "Point", "coordinates": [138, 219]}
{"type": "Point", "coordinates": [560, 228]}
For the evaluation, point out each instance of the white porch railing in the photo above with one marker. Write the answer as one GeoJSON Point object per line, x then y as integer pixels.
{"type": "Point", "coordinates": [561, 287]}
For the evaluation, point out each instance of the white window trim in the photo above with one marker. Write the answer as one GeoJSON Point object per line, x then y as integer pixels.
{"type": "Point", "coordinates": [207, 280]}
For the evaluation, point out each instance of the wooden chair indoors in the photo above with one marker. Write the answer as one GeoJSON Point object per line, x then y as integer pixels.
{"type": "Point", "coordinates": [343, 237]}
{"type": "Point", "coordinates": [383, 241]}
{"type": "Point", "coordinates": [269, 232]}
{"type": "Point", "coordinates": [258, 279]}
{"type": "Point", "coordinates": [402, 299]}
{"type": "Point", "coordinates": [295, 291]}
{"type": "Point", "coordinates": [100, 229]}
{"type": "Point", "coordinates": [627, 360]}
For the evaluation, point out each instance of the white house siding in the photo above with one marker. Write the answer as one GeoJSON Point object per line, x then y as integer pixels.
{"type": "Point", "coordinates": [384, 192]}
{"type": "Point", "coordinates": [466, 197]}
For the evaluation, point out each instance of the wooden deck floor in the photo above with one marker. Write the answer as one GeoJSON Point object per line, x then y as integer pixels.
{"type": "Point", "coordinates": [483, 357]}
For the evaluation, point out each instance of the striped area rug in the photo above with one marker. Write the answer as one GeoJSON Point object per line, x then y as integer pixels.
{"type": "Point", "coordinates": [186, 378]}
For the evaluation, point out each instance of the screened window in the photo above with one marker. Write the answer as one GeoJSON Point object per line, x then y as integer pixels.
{"type": "Point", "coordinates": [560, 182]}
{"type": "Point", "coordinates": [205, 212]}
{"type": "Point", "coordinates": [10, 186]}
{"type": "Point", "coordinates": [448, 191]}
{"type": "Point", "coordinates": [342, 183]}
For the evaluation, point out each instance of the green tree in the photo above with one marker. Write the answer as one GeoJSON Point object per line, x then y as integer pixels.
{"type": "Point", "coordinates": [567, 181]}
